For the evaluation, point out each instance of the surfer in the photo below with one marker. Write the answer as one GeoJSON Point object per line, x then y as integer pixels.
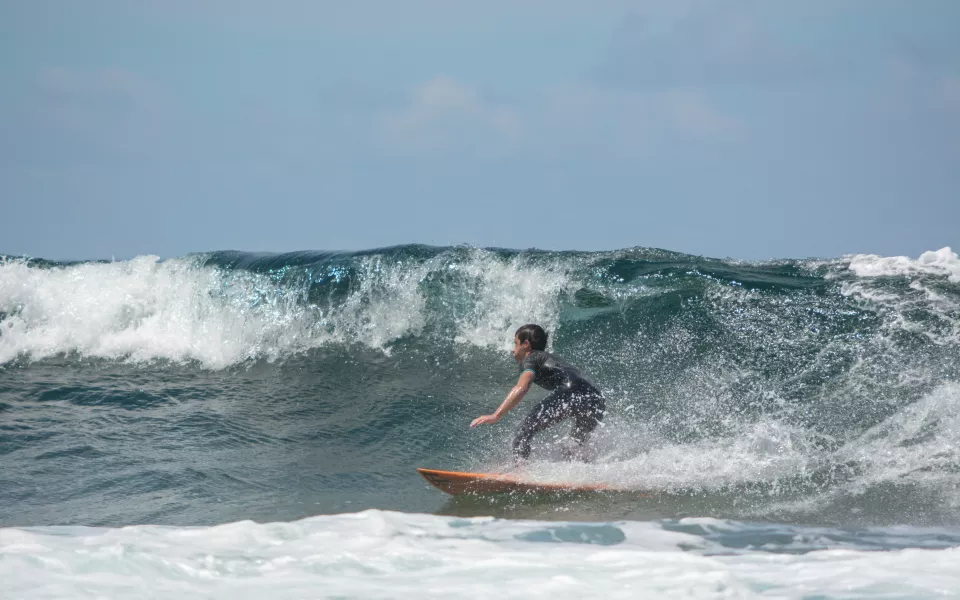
{"type": "Point", "coordinates": [572, 395]}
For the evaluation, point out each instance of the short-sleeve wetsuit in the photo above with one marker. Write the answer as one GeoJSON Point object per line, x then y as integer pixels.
{"type": "Point", "coordinates": [572, 396]}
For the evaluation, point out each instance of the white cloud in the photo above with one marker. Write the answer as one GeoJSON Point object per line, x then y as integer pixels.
{"type": "Point", "coordinates": [97, 100]}
{"type": "Point", "coordinates": [691, 112]}
{"type": "Point", "coordinates": [703, 43]}
{"type": "Point", "coordinates": [443, 113]}
{"type": "Point", "coordinates": [950, 92]}
{"type": "Point", "coordinates": [637, 116]}
{"type": "Point", "coordinates": [112, 92]}
{"type": "Point", "coordinates": [922, 86]}
{"type": "Point", "coordinates": [104, 109]}
{"type": "Point", "coordinates": [361, 18]}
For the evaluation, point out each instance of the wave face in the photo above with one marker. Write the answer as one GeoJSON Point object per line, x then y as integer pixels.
{"type": "Point", "coordinates": [232, 385]}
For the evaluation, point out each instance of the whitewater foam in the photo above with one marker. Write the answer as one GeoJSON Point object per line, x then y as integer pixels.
{"type": "Point", "coordinates": [145, 309]}
{"type": "Point", "coordinates": [925, 308]}
{"type": "Point", "coordinates": [508, 294]}
{"type": "Point", "coordinates": [934, 262]}
{"type": "Point", "coordinates": [918, 444]}
{"type": "Point", "coordinates": [769, 467]}
{"type": "Point", "coordinates": [377, 554]}
{"type": "Point", "coordinates": [181, 310]}
{"type": "Point", "coordinates": [763, 452]}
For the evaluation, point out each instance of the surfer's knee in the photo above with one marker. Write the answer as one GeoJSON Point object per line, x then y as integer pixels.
{"type": "Point", "coordinates": [521, 449]}
{"type": "Point", "coordinates": [585, 423]}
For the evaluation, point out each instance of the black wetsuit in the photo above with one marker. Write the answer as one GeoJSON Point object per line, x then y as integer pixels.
{"type": "Point", "coordinates": [573, 396]}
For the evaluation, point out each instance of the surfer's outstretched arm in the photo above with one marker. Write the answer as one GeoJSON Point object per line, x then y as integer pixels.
{"type": "Point", "coordinates": [512, 399]}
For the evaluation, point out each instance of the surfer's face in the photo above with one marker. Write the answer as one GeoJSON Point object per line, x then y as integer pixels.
{"type": "Point", "coordinates": [520, 351]}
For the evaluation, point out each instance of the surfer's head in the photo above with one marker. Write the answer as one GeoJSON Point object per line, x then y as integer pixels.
{"type": "Point", "coordinates": [527, 339]}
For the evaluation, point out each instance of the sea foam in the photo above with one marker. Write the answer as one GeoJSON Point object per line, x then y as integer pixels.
{"type": "Point", "coordinates": [376, 554]}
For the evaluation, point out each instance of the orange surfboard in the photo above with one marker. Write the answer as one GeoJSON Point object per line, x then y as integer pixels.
{"type": "Point", "coordinates": [456, 483]}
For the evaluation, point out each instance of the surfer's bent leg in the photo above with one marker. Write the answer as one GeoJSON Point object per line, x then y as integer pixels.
{"type": "Point", "coordinates": [550, 411]}
{"type": "Point", "coordinates": [588, 412]}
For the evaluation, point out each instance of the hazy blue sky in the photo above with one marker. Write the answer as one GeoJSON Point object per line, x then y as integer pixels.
{"type": "Point", "coordinates": [727, 128]}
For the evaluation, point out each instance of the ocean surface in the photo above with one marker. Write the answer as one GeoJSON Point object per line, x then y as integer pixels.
{"type": "Point", "coordinates": [237, 425]}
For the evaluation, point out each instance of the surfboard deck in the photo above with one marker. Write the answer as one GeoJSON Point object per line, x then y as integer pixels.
{"type": "Point", "coordinates": [456, 483]}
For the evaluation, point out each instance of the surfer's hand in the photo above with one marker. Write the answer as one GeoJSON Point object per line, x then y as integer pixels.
{"type": "Point", "coordinates": [484, 419]}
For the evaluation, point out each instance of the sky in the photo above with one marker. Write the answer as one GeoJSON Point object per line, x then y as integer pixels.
{"type": "Point", "coordinates": [745, 129]}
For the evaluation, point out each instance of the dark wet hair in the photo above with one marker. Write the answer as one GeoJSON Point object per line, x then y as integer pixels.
{"type": "Point", "coordinates": [533, 334]}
